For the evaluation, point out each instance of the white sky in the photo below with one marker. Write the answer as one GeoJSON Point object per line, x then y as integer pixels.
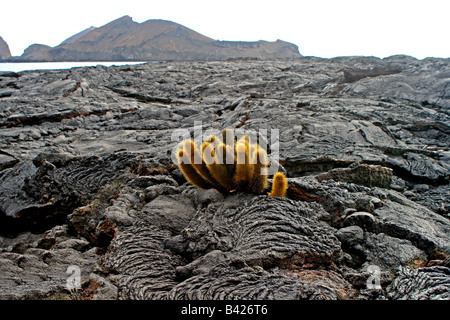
{"type": "Point", "coordinates": [322, 28]}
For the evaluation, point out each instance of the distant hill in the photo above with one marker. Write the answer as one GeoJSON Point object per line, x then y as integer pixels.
{"type": "Point", "coordinates": [77, 36]}
{"type": "Point", "coordinates": [126, 40]}
{"type": "Point", "coordinates": [37, 52]}
{"type": "Point", "coordinates": [4, 50]}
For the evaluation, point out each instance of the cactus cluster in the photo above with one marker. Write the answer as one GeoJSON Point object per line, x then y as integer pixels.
{"type": "Point", "coordinates": [228, 165]}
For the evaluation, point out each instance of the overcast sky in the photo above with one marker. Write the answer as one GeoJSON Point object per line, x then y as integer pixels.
{"type": "Point", "coordinates": [322, 28]}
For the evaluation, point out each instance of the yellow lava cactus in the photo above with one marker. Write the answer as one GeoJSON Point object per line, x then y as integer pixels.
{"type": "Point", "coordinates": [228, 165]}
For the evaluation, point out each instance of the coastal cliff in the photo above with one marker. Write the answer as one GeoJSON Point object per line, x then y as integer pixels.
{"type": "Point", "coordinates": [125, 40]}
{"type": "Point", "coordinates": [4, 50]}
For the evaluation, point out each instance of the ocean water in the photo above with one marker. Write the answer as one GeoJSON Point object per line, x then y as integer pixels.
{"type": "Point", "coordinates": [27, 66]}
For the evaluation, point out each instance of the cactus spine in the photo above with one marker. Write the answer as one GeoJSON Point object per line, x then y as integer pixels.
{"type": "Point", "coordinates": [218, 171]}
{"type": "Point", "coordinates": [279, 185]}
{"type": "Point", "coordinates": [197, 161]}
{"type": "Point", "coordinates": [242, 175]}
{"type": "Point", "coordinates": [189, 171]}
{"type": "Point", "coordinates": [229, 166]}
{"type": "Point", "coordinates": [258, 171]}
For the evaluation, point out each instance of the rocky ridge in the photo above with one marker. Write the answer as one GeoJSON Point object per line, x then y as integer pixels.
{"type": "Point", "coordinates": [4, 50]}
{"type": "Point", "coordinates": [87, 180]}
{"type": "Point", "coordinates": [153, 40]}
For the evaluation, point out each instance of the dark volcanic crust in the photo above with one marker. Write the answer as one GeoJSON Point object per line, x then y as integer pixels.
{"type": "Point", "coordinates": [87, 180]}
